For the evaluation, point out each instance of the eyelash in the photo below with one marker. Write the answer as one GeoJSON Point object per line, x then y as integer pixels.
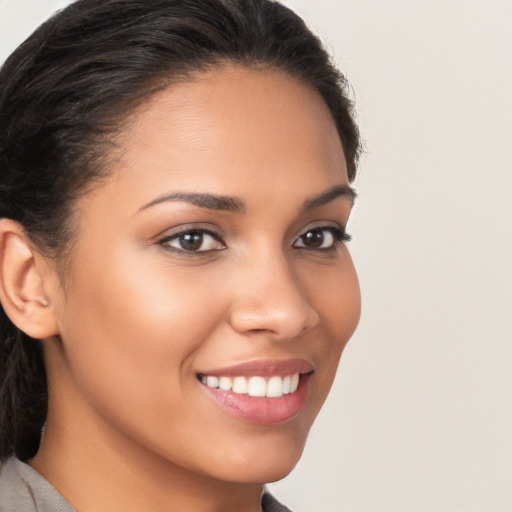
{"type": "Point", "coordinates": [338, 234]}
{"type": "Point", "coordinates": [192, 231]}
{"type": "Point", "coordinates": [339, 237]}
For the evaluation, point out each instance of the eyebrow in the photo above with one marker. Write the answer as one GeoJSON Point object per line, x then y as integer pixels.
{"type": "Point", "coordinates": [209, 201]}
{"type": "Point", "coordinates": [234, 204]}
{"type": "Point", "coordinates": [328, 196]}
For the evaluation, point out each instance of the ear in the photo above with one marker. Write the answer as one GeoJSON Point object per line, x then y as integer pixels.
{"type": "Point", "coordinates": [22, 283]}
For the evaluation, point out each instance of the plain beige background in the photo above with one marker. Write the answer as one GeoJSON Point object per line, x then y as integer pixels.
{"type": "Point", "coordinates": [420, 416]}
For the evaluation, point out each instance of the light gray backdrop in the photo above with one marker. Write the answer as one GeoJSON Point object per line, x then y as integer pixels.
{"type": "Point", "coordinates": [420, 416]}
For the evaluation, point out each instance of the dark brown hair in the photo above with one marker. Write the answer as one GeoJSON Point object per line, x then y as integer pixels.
{"type": "Point", "coordinates": [65, 92]}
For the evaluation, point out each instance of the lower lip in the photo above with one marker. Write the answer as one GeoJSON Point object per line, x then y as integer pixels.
{"type": "Point", "coordinates": [266, 411]}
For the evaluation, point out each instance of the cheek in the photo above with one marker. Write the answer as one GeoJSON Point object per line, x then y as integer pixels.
{"type": "Point", "coordinates": [130, 334]}
{"type": "Point", "coordinates": [337, 300]}
{"type": "Point", "coordinates": [336, 297]}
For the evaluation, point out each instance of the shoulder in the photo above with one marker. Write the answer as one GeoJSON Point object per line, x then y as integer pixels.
{"type": "Point", "coordinates": [270, 504]}
{"type": "Point", "coordinates": [14, 493]}
{"type": "Point", "coordinates": [22, 489]}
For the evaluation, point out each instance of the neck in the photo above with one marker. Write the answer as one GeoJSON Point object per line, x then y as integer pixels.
{"type": "Point", "coordinates": [96, 470]}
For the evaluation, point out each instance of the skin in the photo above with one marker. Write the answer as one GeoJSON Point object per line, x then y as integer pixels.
{"type": "Point", "coordinates": [129, 425]}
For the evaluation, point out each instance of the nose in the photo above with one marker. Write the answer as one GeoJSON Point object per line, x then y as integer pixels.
{"type": "Point", "coordinates": [270, 299]}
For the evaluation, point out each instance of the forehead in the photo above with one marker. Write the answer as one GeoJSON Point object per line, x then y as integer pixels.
{"type": "Point", "coordinates": [231, 131]}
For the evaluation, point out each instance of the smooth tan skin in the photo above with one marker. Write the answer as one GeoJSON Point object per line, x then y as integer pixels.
{"type": "Point", "coordinates": [129, 426]}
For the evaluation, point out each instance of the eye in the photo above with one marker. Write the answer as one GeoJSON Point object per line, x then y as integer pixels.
{"type": "Point", "coordinates": [321, 238]}
{"type": "Point", "coordinates": [197, 240]}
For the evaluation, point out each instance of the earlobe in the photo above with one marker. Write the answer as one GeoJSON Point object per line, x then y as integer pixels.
{"type": "Point", "coordinates": [22, 290]}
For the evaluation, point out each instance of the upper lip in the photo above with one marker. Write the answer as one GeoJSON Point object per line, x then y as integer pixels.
{"type": "Point", "coordinates": [263, 368]}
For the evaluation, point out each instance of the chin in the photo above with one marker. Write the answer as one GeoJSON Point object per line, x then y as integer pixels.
{"type": "Point", "coordinates": [268, 463]}
{"type": "Point", "coordinates": [262, 472]}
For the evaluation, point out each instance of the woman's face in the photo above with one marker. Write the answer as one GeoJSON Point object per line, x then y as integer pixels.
{"type": "Point", "coordinates": [213, 256]}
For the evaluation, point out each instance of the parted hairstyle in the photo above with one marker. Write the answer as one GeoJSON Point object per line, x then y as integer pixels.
{"type": "Point", "coordinates": [65, 93]}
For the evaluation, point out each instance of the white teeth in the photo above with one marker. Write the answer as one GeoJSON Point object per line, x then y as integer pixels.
{"type": "Point", "coordinates": [257, 386]}
{"type": "Point", "coordinates": [294, 382]}
{"type": "Point", "coordinates": [212, 382]}
{"type": "Point", "coordinates": [273, 387]}
{"type": "Point", "coordinates": [225, 383]}
{"type": "Point", "coordinates": [286, 385]}
{"type": "Point", "coordinates": [240, 385]}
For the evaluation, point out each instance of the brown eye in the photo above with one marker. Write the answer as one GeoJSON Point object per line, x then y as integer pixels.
{"type": "Point", "coordinates": [321, 238]}
{"type": "Point", "coordinates": [314, 239]}
{"type": "Point", "coordinates": [193, 241]}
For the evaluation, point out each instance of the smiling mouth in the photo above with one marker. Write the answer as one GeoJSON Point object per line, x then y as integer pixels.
{"type": "Point", "coordinates": [270, 387]}
{"type": "Point", "coordinates": [264, 392]}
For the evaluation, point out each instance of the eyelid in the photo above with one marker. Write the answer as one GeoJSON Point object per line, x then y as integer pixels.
{"type": "Point", "coordinates": [337, 231]}
{"type": "Point", "coordinates": [163, 240]}
{"type": "Point", "coordinates": [329, 225]}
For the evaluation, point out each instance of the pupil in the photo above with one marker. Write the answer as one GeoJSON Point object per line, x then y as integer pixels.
{"type": "Point", "coordinates": [314, 238]}
{"type": "Point", "coordinates": [191, 241]}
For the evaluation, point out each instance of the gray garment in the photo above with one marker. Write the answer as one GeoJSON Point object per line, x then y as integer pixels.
{"type": "Point", "coordinates": [22, 489]}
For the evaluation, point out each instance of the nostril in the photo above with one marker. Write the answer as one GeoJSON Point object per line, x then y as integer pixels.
{"type": "Point", "coordinates": [281, 321]}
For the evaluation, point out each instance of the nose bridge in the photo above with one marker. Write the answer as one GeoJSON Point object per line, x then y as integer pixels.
{"type": "Point", "coordinates": [270, 298]}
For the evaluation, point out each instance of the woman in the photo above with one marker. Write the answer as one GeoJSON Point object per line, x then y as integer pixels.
{"type": "Point", "coordinates": [175, 283]}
